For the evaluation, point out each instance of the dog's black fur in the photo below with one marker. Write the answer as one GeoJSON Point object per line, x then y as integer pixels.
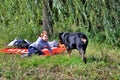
{"type": "Point", "coordinates": [72, 41]}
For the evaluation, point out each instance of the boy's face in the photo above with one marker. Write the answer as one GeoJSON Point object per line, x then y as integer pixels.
{"type": "Point", "coordinates": [45, 37]}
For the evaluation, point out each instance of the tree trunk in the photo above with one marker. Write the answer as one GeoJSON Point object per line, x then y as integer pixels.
{"type": "Point", "coordinates": [47, 16]}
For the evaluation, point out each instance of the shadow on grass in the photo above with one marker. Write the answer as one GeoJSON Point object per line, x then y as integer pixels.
{"type": "Point", "coordinates": [92, 59]}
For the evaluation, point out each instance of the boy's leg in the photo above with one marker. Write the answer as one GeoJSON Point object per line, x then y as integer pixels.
{"type": "Point", "coordinates": [31, 50]}
{"type": "Point", "coordinates": [40, 52]}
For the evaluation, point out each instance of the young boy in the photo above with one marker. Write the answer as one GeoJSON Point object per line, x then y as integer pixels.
{"type": "Point", "coordinates": [38, 45]}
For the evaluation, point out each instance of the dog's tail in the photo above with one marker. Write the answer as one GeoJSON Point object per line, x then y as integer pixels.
{"type": "Point", "coordinates": [84, 39]}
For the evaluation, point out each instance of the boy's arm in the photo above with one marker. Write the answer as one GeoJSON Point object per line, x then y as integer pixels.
{"type": "Point", "coordinates": [49, 48]}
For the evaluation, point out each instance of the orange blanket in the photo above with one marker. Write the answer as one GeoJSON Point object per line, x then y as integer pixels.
{"type": "Point", "coordinates": [55, 50]}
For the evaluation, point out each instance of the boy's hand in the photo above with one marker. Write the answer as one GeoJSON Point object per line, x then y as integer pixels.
{"type": "Point", "coordinates": [46, 47]}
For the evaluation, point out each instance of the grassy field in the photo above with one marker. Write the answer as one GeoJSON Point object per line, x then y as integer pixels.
{"type": "Point", "coordinates": [103, 63]}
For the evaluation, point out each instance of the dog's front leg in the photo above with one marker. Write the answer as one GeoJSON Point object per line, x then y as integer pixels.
{"type": "Point", "coordinates": [69, 53]}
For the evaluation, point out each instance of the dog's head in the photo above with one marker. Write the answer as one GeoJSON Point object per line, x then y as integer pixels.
{"type": "Point", "coordinates": [62, 36]}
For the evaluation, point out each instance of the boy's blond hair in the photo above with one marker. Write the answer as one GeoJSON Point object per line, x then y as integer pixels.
{"type": "Point", "coordinates": [43, 33]}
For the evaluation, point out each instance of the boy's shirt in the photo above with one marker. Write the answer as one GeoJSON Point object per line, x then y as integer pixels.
{"type": "Point", "coordinates": [41, 44]}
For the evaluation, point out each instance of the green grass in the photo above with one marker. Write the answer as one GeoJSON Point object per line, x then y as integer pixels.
{"type": "Point", "coordinates": [103, 63]}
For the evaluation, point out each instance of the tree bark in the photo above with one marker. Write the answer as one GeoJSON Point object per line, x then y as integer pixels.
{"type": "Point", "coordinates": [47, 16]}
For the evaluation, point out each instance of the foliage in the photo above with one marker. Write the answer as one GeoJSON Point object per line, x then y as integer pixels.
{"type": "Point", "coordinates": [20, 19]}
{"type": "Point", "coordinates": [98, 19]}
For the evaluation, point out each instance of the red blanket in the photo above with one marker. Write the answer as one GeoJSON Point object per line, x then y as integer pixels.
{"type": "Point", "coordinates": [55, 50]}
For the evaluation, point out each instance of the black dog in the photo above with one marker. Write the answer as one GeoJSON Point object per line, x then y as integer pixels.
{"type": "Point", "coordinates": [72, 41]}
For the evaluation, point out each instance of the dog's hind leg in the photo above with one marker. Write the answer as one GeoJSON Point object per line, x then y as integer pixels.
{"type": "Point", "coordinates": [82, 53]}
{"type": "Point", "coordinates": [79, 46]}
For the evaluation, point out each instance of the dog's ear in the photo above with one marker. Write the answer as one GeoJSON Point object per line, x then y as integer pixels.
{"type": "Point", "coordinates": [60, 35]}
